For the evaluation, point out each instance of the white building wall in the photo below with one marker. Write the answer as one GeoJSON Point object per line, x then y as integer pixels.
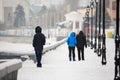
{"type": "Point", "coordinates": [1, 10]}
{"type": "Point", "coordinates": [75, 17]}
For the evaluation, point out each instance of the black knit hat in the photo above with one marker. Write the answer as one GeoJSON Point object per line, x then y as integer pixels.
{"type": "Point", "coordinates": [81, 32]}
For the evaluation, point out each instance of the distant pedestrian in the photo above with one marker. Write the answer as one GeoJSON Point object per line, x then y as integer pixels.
{"type": "Point", "coordinates": [38, 42]}
{"type": "Point", "coordinates": [81, 42]}
{"type": "Point", "coordinates": [71, 41]}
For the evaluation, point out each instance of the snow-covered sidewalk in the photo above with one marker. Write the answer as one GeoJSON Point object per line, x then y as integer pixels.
{"type": "Point", "coordinates": [56, 66]}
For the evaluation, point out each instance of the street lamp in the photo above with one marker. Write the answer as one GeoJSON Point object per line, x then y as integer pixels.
{"type": "Point", "coordinates": [103, 38]}
{"type": "Point", "coordinates": [117, 42]}
{"type": "Point", "coordinates": [87, 14]}
{"type": "Point", "coordinates": [85, 25]}
{"type": "Point", "coordinates": [99, 34]}
{"type": "Point", "coordinates": [92, 5]}
{"type": "Point", "coordinates": [95, 44]}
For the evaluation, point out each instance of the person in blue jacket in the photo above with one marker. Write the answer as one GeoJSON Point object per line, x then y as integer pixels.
{"type": "Point", "coordinates": [71, 41]}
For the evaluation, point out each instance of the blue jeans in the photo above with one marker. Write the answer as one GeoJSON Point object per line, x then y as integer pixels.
{"type": "Point", "coordinates": [38, 53]}
{"type": "Point", "coordinates": [71, 53]}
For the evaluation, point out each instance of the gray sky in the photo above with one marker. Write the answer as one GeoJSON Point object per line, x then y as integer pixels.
{"type": "Point", "coordinates": [84, 3]}
{"type": "Point", "coordinates": [47, 2]}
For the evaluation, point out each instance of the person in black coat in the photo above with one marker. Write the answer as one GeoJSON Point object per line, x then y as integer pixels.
{"type": "Point", "coordinates": [81, 42]}
{"type": "Point", "coordinates": [38, 42]}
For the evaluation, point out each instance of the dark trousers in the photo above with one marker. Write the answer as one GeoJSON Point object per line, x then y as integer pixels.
{"type": "Point", "coordinates": [71, 53]}
{"type": "Point", "coordinates": [38, 53]}
{"type": "Point", "coordinates": [80, 53]}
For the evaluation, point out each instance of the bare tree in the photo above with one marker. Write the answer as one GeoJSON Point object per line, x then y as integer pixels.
{"type": "Point", "coordinates": [19, 16]}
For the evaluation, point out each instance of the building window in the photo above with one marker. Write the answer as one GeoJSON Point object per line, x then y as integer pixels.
{"type": "Point", "coordinates": [113, 5]}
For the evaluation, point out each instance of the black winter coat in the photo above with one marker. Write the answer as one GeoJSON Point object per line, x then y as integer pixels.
{"type": "Point", "coordinates": [39, 41]}
{"type": "Point", "coordinates": [81, 40]}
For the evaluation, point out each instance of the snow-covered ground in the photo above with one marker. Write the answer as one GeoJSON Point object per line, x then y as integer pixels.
{"type": "Point", "coordinates": [16, 47]}
{"type": "Point", "coordinates": [56, 66]}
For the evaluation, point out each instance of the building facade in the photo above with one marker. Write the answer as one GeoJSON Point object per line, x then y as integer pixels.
{"type": "Point", "coordinates": [1, 11]}
{"type": "Point", "coordinates": [7, 11]}
{"type": "Point", "coordinates": [112, 9]}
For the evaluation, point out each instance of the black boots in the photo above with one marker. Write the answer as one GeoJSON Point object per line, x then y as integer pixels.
{"type": "Point", "coordinates": [39, 65]}
{"type": "Point", "coordinates": [71, 59]}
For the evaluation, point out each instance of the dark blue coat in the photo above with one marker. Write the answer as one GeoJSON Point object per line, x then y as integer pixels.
{"type": "Point", "coordinates": [81, 40]}
{"type": "Point", "coordinates": [39, 39]}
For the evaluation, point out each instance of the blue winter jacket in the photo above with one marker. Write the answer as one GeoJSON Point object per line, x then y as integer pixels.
{"type": "Point", "coordinates": [71, 41]}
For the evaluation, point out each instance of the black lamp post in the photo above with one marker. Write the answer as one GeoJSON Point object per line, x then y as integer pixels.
{"type": "Point", "coordinates": [87, 14]}
{"type": "Point", "coordinates": [85, 21]}
{"type": "Point", "coordinates": [117, 42]}
{"type": "Point", "coordinates": [99, 34]}
{"type": "Point", "coordinates": [104, 38]}
{"type": "Point", "coordinates": [92, 5]}
{"type": "Point", "coordinates": [95, 43]}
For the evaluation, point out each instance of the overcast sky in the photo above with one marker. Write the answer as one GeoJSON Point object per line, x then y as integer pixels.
{"type": "Point", "coordinates": [58, 2]}
{"type": "Point", "coordinates": [47, 2]}
{"type": "Point", "coordinates": [84, 2]}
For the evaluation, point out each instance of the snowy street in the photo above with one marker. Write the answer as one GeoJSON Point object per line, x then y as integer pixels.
{"type": "Point", "coordinates": [30, 29]}
{"type": "Point", "coordinates": [56, 66]}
